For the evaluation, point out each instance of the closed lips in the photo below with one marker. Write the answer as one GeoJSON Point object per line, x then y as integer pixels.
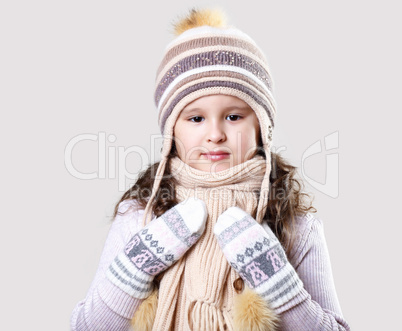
{"type": "Point", "coordinates": [216, 156]}
{"type": "Point", "coordinates": [216, 153]}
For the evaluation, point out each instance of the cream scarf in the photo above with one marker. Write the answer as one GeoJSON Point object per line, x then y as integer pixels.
{"type": "Point", "coordinates": [197, 292]}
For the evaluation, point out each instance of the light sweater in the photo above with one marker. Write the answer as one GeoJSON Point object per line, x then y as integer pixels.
{"type": "Point", "coordinates": [108, 308]}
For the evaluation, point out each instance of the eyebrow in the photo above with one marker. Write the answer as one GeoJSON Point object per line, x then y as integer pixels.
{"type": "Point", "coordinates": [197, 109]}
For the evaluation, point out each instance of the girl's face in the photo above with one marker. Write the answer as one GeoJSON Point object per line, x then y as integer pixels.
{"type": "Point", "coordinates": [216, 132]}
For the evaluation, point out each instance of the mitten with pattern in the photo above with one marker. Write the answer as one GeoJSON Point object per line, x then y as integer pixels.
{"type": "Point", "coordinates": [157, 246]}
{"type": "Point", "coordinates": [258, 257]}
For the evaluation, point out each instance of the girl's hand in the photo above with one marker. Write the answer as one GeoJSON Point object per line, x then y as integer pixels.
{"type": "Point", "coordinates": [257, 256]}
{"type": "Point", "coordinates": [157, 246]}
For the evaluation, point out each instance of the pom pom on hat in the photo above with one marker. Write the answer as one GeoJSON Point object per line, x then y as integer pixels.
{"type": "Point", "coordinates": [199, 17]}
{"type": "Point", "coordinates": [208, 57]}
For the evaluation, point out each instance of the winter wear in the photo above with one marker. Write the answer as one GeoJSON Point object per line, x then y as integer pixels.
{"type": "Point", "coordinates": [257, 255]}
{"type": "Point", "coordinates": [212, 58]}
{"type": "Point", "coordinates": [156, 247]}
{"type": "Point", "coordinates": [108, 308]}
{"type": "Point", "coordinates": [197, 292]}
{"type": "Point", "coordinates": [209, 59]}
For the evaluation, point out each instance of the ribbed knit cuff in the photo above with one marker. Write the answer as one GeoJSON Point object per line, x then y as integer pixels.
{"type": "Point", "coordinates": [301, 296]}
{"type": "Point", "coordinates": [128, 278]}
{"type": "Point", "coordinates": [282, 287]}
{"type": "Point", "coordinates": [118, 300]}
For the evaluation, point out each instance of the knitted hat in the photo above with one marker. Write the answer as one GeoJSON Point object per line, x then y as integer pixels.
{"type": "Point", "coordinates": [206, 58]}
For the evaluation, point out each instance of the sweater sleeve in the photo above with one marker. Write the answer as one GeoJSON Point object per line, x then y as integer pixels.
{"type": "Point", "coordinates": [105, 306]}
{"type": "Point", "coordinates": [317, 306]}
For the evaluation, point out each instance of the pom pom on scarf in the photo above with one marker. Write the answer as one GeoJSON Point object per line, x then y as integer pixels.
{"type": "Point", "coordinates": [199, 17]}
{"type": "Point", "coordinates": [144, 317]}
{"type": "Point", "coordinates": [251, 312]}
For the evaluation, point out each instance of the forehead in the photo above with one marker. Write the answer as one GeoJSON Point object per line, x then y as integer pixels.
{"type": "Point", "coordinates": [216, 102]}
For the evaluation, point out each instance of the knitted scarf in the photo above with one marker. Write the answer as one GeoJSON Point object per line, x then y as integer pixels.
{"type": "Point", "coordinates": [197, 292]}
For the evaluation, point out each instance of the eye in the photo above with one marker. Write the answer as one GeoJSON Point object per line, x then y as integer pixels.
{"type": "Point", "coordinates": [196, 119]}
{"type": "Point", "coordinates": [233, 117]}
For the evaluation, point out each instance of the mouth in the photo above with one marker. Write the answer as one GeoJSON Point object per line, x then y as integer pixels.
{"type": "Point", "coordinates": [216, 156]}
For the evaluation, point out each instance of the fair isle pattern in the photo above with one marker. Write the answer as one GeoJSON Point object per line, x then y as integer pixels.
{"type": "Point", "coordinates": [258, 257]}
{"type": "Point", "coordinates": [263, 262]}
{"type": "Point", "coordinates": [233, 231]}
{"type": "Point", "coordinates": [140, 254]}
{"type": "Point", "coordinates": [176, 224]}
{"type": "Point", "coordinates": [151, 251]}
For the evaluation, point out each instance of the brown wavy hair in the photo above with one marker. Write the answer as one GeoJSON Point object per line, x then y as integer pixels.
{"type": "Point", "coordinates": [286, 199]}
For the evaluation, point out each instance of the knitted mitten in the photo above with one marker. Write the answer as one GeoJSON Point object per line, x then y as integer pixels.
{"type": "Point", "coordinates": [258, 257]}
{"type": "Point", "coordinates": [157, 246]}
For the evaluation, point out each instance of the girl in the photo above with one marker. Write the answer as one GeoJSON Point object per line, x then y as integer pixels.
{"type": "Point", "coordinates": [217, 235]}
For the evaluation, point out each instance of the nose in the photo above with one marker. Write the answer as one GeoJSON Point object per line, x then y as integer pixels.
{"type": "Point", "coordinates": [216, 133]}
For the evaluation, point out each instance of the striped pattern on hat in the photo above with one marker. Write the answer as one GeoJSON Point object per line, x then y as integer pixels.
{"type": "Point", "coordinates": [208, 60]}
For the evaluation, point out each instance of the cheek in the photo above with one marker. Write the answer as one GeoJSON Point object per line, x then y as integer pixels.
{"type": "Point", "coordinates": [185, 141]}
{"type": "Point", "coordinates": [179, 133]}
{"type": "Point", "coordinates": [249, 144]}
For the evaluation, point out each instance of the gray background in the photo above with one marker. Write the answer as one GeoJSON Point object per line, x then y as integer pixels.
{"type": "Point", "coordinates": [85, 67]}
